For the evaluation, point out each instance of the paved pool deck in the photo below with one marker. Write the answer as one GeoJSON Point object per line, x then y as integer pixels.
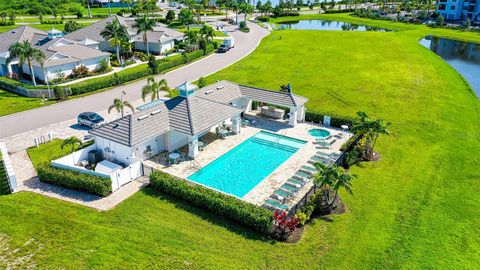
{"type": "Point", "coordinates": [280, 175]}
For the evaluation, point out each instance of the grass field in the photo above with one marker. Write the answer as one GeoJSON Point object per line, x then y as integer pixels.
{"type": "Point", "coordinates": [417, 208]}
{"type": "Point", "coordinates": [12, 103]}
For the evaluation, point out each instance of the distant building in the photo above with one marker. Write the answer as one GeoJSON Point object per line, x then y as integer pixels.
{"type": "Point", "coordinates": [62, 55]}
{"type": "Point", "coordinates": [112, 3]}
{"type": "Point", "coordinates": [455, 10]}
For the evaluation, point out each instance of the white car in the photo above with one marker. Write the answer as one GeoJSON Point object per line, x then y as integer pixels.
{"type": "Point", "coordinates": [90, 119]}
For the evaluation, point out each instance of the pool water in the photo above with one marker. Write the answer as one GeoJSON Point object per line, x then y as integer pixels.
{"type": "Point", "coordinates": [239, 170]}
{"type": "Point", "coordinates": [319, 133]}
{"type": "Point", "coordinates": [328, 25]}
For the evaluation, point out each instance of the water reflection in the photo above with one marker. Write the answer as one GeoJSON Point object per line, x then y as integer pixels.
{"type": "Point", "coordinates": [462, 56]}
{"type": "Point", "coordinates": [328, 25]}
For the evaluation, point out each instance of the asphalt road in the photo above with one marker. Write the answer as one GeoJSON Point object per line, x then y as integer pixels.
{"type": "Point", "coordinates": [29, 120]}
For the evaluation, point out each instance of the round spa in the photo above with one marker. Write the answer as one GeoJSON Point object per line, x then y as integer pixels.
{"type": "Point", "coordinates": [319, 133]}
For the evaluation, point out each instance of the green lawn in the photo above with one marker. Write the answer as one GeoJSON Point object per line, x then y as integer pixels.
{"type": "Point", "coordinates": [417, 208]}
{"type": "Point", "coordinates": [12, 103]}
{"type": "Point", "coordinates": [51, 150]}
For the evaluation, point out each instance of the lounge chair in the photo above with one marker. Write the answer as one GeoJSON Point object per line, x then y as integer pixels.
{"type": "Point", "coordinates": [283, 193]}
{"type": "Point", "coordinates": [276, 204]}
{"type": "Point", "coordinates": [309, 169]}
{"type": "Point", "coordinates": [290, 187]}
{"type": "Point", "coordinates": [296, 181]}
{"type": "Point", "coordinates": [303, 175]}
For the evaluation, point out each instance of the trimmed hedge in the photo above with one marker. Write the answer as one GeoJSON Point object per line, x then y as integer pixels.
{"type": "Point", "coordinates": [74, 180]}
{"type": "Point", "coordinates": [246, 214]}
{"type": "Point", "coordinates": [335, 120]}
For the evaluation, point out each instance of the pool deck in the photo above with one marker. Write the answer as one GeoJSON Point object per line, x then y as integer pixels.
{"type": "Point", "coordinates": [280, 175]}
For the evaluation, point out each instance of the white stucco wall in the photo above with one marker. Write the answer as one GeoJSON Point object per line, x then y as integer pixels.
{"type": "Point", "coordinates": [157, 144]}
{"type": "Point", "coordinates": [175, 140]}
{"type": "Point", "coordinates": [119, 153]}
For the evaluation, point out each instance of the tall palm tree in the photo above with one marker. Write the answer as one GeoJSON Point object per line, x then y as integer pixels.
{"type": "Point", "coordinates": [143, 25]}
{"type": "Point", "coordinates": [153, 88]}
{"type": "Point", "coordinates": [72, 141]}
{"type": "Point", "coordinates": [207, 32]}
{"type": "Point", "coordinates": [88, 8]}
{"type": "Point", "coordinates": [26, 53]}
{"type": "Point", "coordinates": [236, 7]}
{"type": "Point", "coordinates": [192, 38]}
{"type": "Point", "coordinates": [115, 34]}
{"type": "Point", "coordinates": [245, 9]}
{"type": "Point", "coordinates": [332, 178]}
{"type": "Point", "coordinates": [379, 127]}
{"type": "Point", "coordinates": [119, 105]}
{"type": "Point", "coordinates": [186, 17]}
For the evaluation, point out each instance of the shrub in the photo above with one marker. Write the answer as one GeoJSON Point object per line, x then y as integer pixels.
{"type": "Point", "coordinates": [74, 180]}
{"type": "Point", "coordinates": [141, 55]}
{"type": "Point", "coordinates": [79, 72]}
{"type": "Point", "coordinates": [244, 213]}
{"type": "Point", "coordinates": [59, 93]}
{"type": "Point", "coordinates": [153, 64]}
{"type": "Point", "coordinates": [102, 66]}
{"type": "Point", "coordinates": [283, 226]}
{"type": "Point", "coordinates": [335, 121]}
{"type": "Point", "coordinates": [348, 145]}
{"type": "Point", "coordinates": [201, 82]}
{"type": "Point", "coordinates": [263, 18]}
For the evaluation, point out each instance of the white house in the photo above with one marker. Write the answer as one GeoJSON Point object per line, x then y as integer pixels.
{"type": "Point", "coordinates": [62, 55]}
{"type": "Point", "coordinates": [160, 40]}
{"type": "Point", "coordinates": [184, 119]}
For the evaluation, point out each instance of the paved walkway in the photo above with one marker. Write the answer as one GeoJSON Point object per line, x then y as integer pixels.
{"type": "Point", "coordinates": [40, 117]}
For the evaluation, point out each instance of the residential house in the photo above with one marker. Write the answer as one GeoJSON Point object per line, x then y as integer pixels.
{"type": "Point", "coordinates": [62, 54]}
{"type": "Point", "coordinates": [160, 40]}
{"type": "Point", "coordinates": [184, 119]}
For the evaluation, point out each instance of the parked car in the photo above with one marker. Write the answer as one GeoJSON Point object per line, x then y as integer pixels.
{"type": "Point", "coordinates": [90, 119]}
{"type": "Point", "coordinates": [223, 48]}
{"type": "Point", "coordinates": [230, 42]}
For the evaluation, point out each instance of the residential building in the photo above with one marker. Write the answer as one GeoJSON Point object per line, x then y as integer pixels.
{"type": "Point", "coordinates": [454, 10]}
{"type": "Point", "coordinates": [113, 3]}
{"type": "Point", "coordinates": [62, 54]}
{"type": "Point", "coordinates": [160, 40]}
{"type": "Point", "coordinates": [182, 120]}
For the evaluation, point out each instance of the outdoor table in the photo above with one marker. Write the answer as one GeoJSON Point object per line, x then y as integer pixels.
{"type": "Point", "coordinates": [174, 156]}
{"type": "Point", "coordinates": [200, 144]}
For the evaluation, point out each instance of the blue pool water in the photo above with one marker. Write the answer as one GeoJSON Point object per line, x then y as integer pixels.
{"type": "Point", "coordinates": [242, 168]}
{"type": "Point", "coordinates": [319, 133]}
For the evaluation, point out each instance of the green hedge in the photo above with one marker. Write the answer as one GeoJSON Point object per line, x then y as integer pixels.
{"type": "Point", "coordinates": [74, 180]}
{"type": "Point", "coordinates": [335, 120]}
{"type": "Point", "coordinates": [244, 213]}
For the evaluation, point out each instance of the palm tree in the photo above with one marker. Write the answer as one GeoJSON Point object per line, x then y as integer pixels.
{"type": "Point", "coordinates": [192, 38]}
{"type": "Point", "coordinates": [207, 32]}
{"type": "Point", "coordinates": [72, 141]}
{"type": "Point", "coordinates": [186, 17]}
{"type": "Point", "coordinates": [379, 127]}
{"type": "Point", "coordinates": [119, 105]}
{"type": "Point", "coordinates": [332, 178]}
{"type": "Point", "coordinates": [26, 53]}
{"type": "Point", "coordinates": [371, 130]}
{"type": "Point", "coordinates": [143, 25]}
{"type": "Point", "coordinates": [152, 88]}
{"type": "Point", "coordinates": [115, 34]}
{"type": "Point", "coordinates": [245, 9]}
{"type": "Point", "coordinates": [235, 8]}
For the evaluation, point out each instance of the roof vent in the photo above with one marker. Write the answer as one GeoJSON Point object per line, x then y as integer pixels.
{"type": "Point", "coordinates": [142, 117]}
{"type": "Point", "coordinates": [155, 112]}
{"type": "Point", "coordinates": [208, 92]}
{"type": "Point", "coordinates": [220, 87]}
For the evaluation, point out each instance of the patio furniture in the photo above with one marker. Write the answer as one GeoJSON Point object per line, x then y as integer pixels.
{"type": "Point", "coordinates": [344, 127]}
{"type": "Point", "coordinates": [296, 181]}
{"type": "Point", "coordinates": [308, 169]}
{"type": "Point", "coordinates": [283, 193]}
{"type": "Point", "coordinates": [276, 204]}
{"type": "Point", "coordinates": [290, 188]}
{"type": "Point", "coordinates": [201, 145]}
{"type": "Point", "coordinates": [272, 112]}
{"type": "Point", "coordinates": [174, 157]}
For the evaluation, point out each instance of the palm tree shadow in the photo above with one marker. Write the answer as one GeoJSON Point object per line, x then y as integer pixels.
{"type": "Point", "coordinates": [208, 216]}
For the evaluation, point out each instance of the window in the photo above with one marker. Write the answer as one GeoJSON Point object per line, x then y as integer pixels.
{"type": "Point", "coordinates": [441, 7]}
{"type": "Point", "coordinates": [452, 8]}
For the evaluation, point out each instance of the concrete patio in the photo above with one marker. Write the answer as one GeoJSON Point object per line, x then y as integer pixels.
{"type": "Point", "coordinates": [279, 176]}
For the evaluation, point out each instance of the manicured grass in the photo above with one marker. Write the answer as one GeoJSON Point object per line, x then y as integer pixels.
{"type": "Point", "coordinates": [12, 103]}
{"type": "Point", "coordinates": [49, 151]}
{"type": "Point", "coordinates": [44, 27]}
{"type": "Point", "coordinates": [416, 208]}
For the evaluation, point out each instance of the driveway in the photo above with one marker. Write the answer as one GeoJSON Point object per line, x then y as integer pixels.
{"type": "Point", "coordinates": [21, 122]}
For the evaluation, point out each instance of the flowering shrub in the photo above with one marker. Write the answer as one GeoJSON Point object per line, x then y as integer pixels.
{"type": "Point", "coordinates": [283, 226]}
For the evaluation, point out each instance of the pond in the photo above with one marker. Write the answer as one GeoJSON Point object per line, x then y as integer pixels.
{"type": "Point", "coordinates": [328, 25]}
{"type": "Point", "coordinates": [462, 56]}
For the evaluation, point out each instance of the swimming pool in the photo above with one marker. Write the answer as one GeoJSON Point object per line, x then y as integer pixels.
{"type": "Point", "coordinates": [318, 132]}
{"type": "Point", "coordinates": [239, 170]}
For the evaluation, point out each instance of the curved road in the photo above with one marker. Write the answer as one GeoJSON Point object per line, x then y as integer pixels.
{"type": "Point", "coordinates": [21, 122]}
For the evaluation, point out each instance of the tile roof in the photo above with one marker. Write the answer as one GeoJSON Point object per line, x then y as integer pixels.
{"type": "Point", "coordinates": [193, 115]}
{"type": "Point", "coordinates": [19, 34]}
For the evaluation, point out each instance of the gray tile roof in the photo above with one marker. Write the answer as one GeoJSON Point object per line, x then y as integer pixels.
{"type": "Point", "coordinates": [136, 128]}
{"type": "Point", "coordinates": [193, 115]}
{"type": "Point", "coordinates": [19, 34]}
{"type": "Point", "coordinates": [92, 31]}
{"type": "Point", "coordinates": [225, 92]}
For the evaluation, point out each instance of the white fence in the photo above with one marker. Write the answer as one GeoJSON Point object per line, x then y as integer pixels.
{"type": "Point", "coordinates": [12, 179]}
{"type": "Point", "coordinates": [118, 177]}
